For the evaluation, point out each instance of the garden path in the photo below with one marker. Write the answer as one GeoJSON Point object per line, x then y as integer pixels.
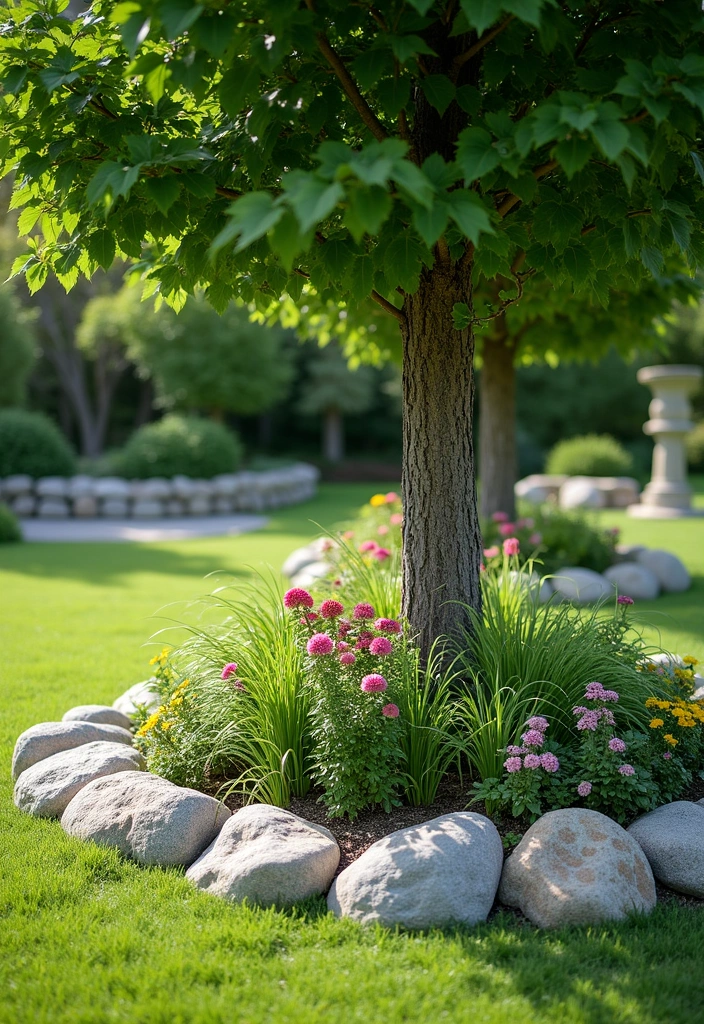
{"type": "Point", "coordinates": [139, 530]}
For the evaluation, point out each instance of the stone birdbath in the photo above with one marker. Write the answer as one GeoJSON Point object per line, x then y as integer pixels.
{"type": "Point", "coordinates": [668, 495]}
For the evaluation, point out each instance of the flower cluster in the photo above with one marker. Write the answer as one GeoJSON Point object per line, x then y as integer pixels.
{"type": "Point", "coordinates": [528, 769]}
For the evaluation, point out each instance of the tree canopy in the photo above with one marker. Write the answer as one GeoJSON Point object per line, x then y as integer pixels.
{"type": "Point", "coordinates": [17, 349]}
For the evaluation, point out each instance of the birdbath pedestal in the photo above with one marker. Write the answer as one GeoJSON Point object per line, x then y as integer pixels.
{"type": "Point", "coordinates": [668, 495]}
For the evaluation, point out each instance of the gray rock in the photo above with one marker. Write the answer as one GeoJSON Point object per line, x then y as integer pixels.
{"type": "Point", "coordinates": [619, 491]}
{"type": "Point", "coordinates": [199, 505]}
{"type": "Point", "coordinates": [157, 488]}
{"type": "Point", "coordinates": [114, 508]}
{"type": "Point", "coordinates": [174, 507]}
{"type": "Point", "coordinates": [222, 506]}
{"type": "Point", "coordinates": [698, 694]}
{"type": "Point", "coordinates": [24, 505]}
{"type": "Point", "coordinates": [225, 485]}
{"type": "Point", "coordinates": [47, 738]}
{"type": "Point", "coordinates": [112, 487]}
{"type": "Point", "coordinates": [103, 714]}
{"type": "Point", "coordinates": [143, 693]}
{"type": "Point", "coordinates": [310, 574]}
{"type": "Point", "coordinates": [629, 552]}
{"type": "Point", "coordinates": [298, 559]}
{"type": "Point", "coordinates": [53, 508]}
{"type": "Point", "coordinates": [85, 507]}
{"type": "Point", "coordinates": [582, 492]}
{"type": "Point", "coordinates": [17, 485]}
{"type": "Point", "coordinates": [147, 508]}
{"type": "Point", "coordinates": [267, 856]}
{"type": "Point", "coordinates": [202, 489]}
{"type": "Point", "coordinates": [539, 487]}
{"type": "Point", "coordinates": [81, 486]}
{"type": "Point", "coordinates": [182, 487]}
{"type": "Point", "coordinates": [581, 585]}
{"type": "Point", "coordinates": [576, 867]}
{"type": "Point", "coordinates": [633, 580]}
{"type": "Point", "coordinates": [445, 871]}
{"type": "Point", "coordinates": [672, 838]}
{"type": "Point", "coordinates": [45, 789]}
{"type": "Point", "coordinates": [145, 817]}
{"type": "Point", "coordinates": [541, 590]}
{"type": "Point", "coordinates": [671, 573]}
{"type": "Point", "coordinates": [52, 487]}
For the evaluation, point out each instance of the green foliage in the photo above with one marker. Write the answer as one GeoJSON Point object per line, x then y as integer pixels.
{"type": "Point", "coordinates": [30, 443]}
{"type": "Point", "coordinates": [180, 445]}
{"type": "Point", "coordinates": [332, 385]}
{"type": "Point", "coordinates": [10, 532]}
{"type": "Point", "coordinates": [590, 455]}
{"type": "Point", "coordinates": [555, 537]}
{"type": "Point", "coordinates": [695, 447]}
{"type": "Point", "coordinates": [17, 349]}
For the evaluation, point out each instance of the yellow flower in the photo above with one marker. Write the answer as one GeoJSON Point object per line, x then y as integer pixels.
{"type": "Point", "coordinates": [669, 738]}
{"type": "Point", "coordinates": [689, 660]}
{"type": "Point", "coordinates": [165, 725]}
{"type": "Point", "coordinates": [377, 500]}
{"type": "Point", "coordinates": [654, 702]}
{"type": "Point", "coordinates": [655, 723]}
{"type": "Point", "coordinates": [150, 723]}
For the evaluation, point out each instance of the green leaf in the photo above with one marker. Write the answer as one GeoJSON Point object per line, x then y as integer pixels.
{"type": "Point", "coordinates": [250, 218]}
{"type": "Point", "coordinates": [476, 154]}
{"type": "Point", "coordinates": [403, 261]}
{"type": "Point", "coordinates": [573, 154]}
{"type": "Point", "coordinates": [370, 65]}
{"type": "Point", "coordinates": [422, 6]}
{"type": "Point", "coordinates": [439, 92]}
{"type": "Point", "coordinates": [430, 223]}
{"type": "Point", "coordinates": [199, 185]}
{"type": "Point", "coordinates": [368, 209]}
{"type": "Point", "coordinates": [133, 225]}
{"type": "Point", "coordinates": [698, 164]}
{"type": "Point", "coordinates": [461, 319]}
{"type": "Point", "coordinates": [111, 178]}
{"type": "Point", "coordinates": [609, 131]}
{"type": "Point", "coordinates": [14, 78]}
{"type": "Point", "coordinates": [394, 94]}
{"type": "Point", "coordinates": [336, 255]}
{"type": "Point", "coordinates": [239, 84]}
{"type": "Point", "coordinates": [469, 99]}
{"type": "Point", "coordinates": [164, 191]}
{"type": "Point", "coordinates": [101, 248]}
{"type": "Point", "coordinates": [481, 13]}
{"type": "Point", "coordinates": [578, 263]}
{"type": "Point", "coordinates": [408, 46]}
{"type": "Point", "coordinates": [412, 180]}
{"type": "Point", "coordinates": [469, 214]}
{"type": "Point", "coordinates": [361, 277]}
{"type": "Point", "coordinates": [52, 78]}
{"type": "Point", "coordinates": [178, 15]}
{"type": "Point", "coordinates": [311, 198]}
{"type": "Point", "coordinates": [653, 260]}
{"type": "Point", "coordinates": [286, 239]}
{"type": "Point", "coordinates": [557, 223]}
{"type": "Point", "coordinates": [525, 10]}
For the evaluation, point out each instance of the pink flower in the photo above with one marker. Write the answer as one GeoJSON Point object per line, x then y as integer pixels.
{"type": "Point", "coordinates": [507, 529]}
{"type": "Point", "coordinates": [237, 684]}
{"type": "Point", "coordinates": [626, 769]}
{"type": "Point", "coordinates": [589, 720]}
{"type": "Point", "coordinates": [549, 762]}
{"type": "Point", "coordinates": [391, 497]}
{"type": "Point", "coordinates": [500, 517]}
{"type": "Point", "coordinates": [320, 643]}
{"type": "Point", "coordinates": [229, 670]}
{"type": "Point", "coordinates": [309, 617]}
{"type": "Point", "coordinates": [526, 524]}
{"type": "Point", "coordinates": [491, 552]}
{"type": "Point", "coordinates": [594, 691]}
{"type": "Point", "coordinates": [531, 761]}
{"type": "Point", "coordinates": [617, 745]}
{"type": "Point", "coordinates": [513, 749]}
{"type": "Point", "coordinates": [624, 599]}
{"type": "Point", "coordinates": [364, 640]}
{"type": "Point", "coordinates": [297, 598]}
{"type": "Point", "coordinates": [343, 627]}
{"type": "Point", "coordinates": [337, 583]}
{"type": "Point", "coordinates": [535, 538]}
{"type": "Point", "coordinates": [607, 716]}
{"type": "Point", "coordinates": [513, 764]}
{"type": "Point", "coordinates": [367, 545]}
{"type": "Point", "coordinates": [396, 518]}
{"type": "Point", "coordinates": [373, 683]}
{"type": "Point", "coordinates": [579, 710]}
{"type": "Point", "coordinates": [327, 545]}
{"type": "Point", "coordinates": [383, 530]}
{"type": "Point", "coordinates": [331, 609]}
{"type": "Point", "coordinates": [390, 711]}
{"type": "Point", "coordinates": [342, 645]}
{"type": "Point", "coordinates": [348, 534]}
{"type": "Point", "coordinates": [533, 738]}
{"type": "Point", "coordinates": [387, 626]}
{"type": "Point", "coordinates": [364, 611]}
{"type": "Point", "coordinates": [482, 567]}
{"type": "Point", "coordinates": [347, 658]}
{"type": "Point", "coordinates": [538, 722]}
{"type": "Point", "coordinates": [584, 788]}
{"type": "Point", "coordinates": [609, 695]}
{"type": "Point", "coordinates": [667, 755]}
{"type": "Point", "coordinates": [380, 645]}
{"type": "Point", "coordinates": [511, 546]}
{"type": "Point", "coordinates": [381, 554]}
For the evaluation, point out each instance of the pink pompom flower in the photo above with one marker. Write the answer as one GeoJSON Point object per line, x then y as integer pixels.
{"type": "Point", "coordinates": [594, 691]}
{"type": "Point", "coordinates": [533, 738]}
{"type": "Point", "coordinates": [514, 750]}
{"type": "Point", "coordinates": [367, 545]}
{"type": "Point", "coordinates": [511, 546]}
{"type": "Point", "coordinates": [364, 640]}
{"type": "Point", "coordinates": [396, 518]}
{"type": "Point", "coordinates": [383, 530]}
{"type": "Point", "coordinates": [626, 769]}
{"type": "Point", "coordinates": [507, 529]}
{"type": "Point", "coordinates": [387, 626]}
{"type": "Point", "coordinates": [364, 611]}
{"type": "Point", "coordinates": [617, 745]}
{"type": "Point", "coordinates": [538, 722]}
{"type": "Point", "coordinates": [513, 764]}
{"type": "Point", "coordinates": [297, 597]}
{"type": "Point", "coordinates": [229, 670]}
{"type": "Point", "coordinates": [319, 644]}
{"type": "Point", "coordinates": [347, 658]}
{"type": "Point", "coordinates": [380, 645]}
{"type": "Point", "coordinates": [331, 609]}
{"type": "Point", "coordinates": [343, 627]}
{"type": "Point", "coordinates": [391, 497]}
{"type": "Point", "coordinates": [373, 683]}
{"type": "Point", "coordinates": [492, 552]}
{"type": "Point", "coordinates": [584, 788]}
{"type": "Point", "coordinates": [624, 599]}
{"type": "Point", "coordinates": [549, 762]}
{"type": "Point", "coordinates": [531, 761]}
{"type": "Point", "coordinates": [500, 517]}
{"type": "Point", "coordinates": [526, 524]}
{"type": "Point", "coordinates": [606, 716]}
{"type": "Point", "coordinates": [390, 711]}
{"type": "Point", "coordinates": [381, 554]}
{"type": "Point", "coordinates": [342, 645]}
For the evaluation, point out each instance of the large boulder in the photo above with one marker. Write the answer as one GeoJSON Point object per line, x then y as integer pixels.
{"type": "Point", "coordinates": [18, 485]}
{"type": "Point", "coordinates": [298, 560]}
{"type": "Point", "coordinates": [539, 487]}
{"type": "Point", "coordinates": [52, 487]}
{"type": "Point", "coordinates": [47, 738]}
{"type": "Point", "coordinates": [142, 694]}
{"type": "Point", "coordinates": [53, 508]}
{"type": "Point", "coordinates": [633, 580]}
{"type": "Point", "coordinates": [670, 572]}
{"type": "Point", "coordinates": [112, 487]}
{"type": "Point", "coordinates": [580, 585]}
{"type": "Point", "coordinates": [145, 817]}
{"type": "Point", "coordinates": [619, 491]}
{"type": "Point", "coordinates": [445, 871]}
{"type": "Point", "coordinates": [46, 788]}
{"type": "Point", "coordinates": [672, 838]}
{"type": "Point", "coordinates": [582, 492]}
{"type": "Point", "coordinates": [309, 575]}
{"type": "Point", "coordinates": [575, 867]}
{"type": "Point", "coordinates": [103, 714]}
{"type": "Point", "coordinates": [267, 856]}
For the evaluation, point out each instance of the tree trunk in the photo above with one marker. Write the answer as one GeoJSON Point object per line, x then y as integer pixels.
{"type": "Point", "coordinates": [442, 544]}
{"type": "Point", "coordinates": [497, 423]}
{"type": "Point", "coordinates": [333, 436]}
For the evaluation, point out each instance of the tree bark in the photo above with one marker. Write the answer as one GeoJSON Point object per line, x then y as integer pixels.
{"type": "Point", "coordinates": [442, 544]}
{"type": "Point", "coordinates": [498, 464]}
{"type": "Point", "coordinates": [333, 436]}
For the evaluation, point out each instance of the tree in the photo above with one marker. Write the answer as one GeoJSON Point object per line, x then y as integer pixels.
{"type": "Point", "coordinates": [405, 150]}
{"type": "Point", "coordinates": [332, 389]}
{"type": "Point", "coordinates": [17, 349]}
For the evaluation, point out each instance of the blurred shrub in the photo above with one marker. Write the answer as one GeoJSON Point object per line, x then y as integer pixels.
{"type": "Point", "coordinates": [180, 445]}
{"type": "Point", "coordinates": [30, 443]}
{"type": "Point", "coordinates": [695, 448]}
{"type": "Point", "coordinates": [555, 537]}
{"type": "Point", "coordinates": [10, 532]}
{"type": "Point", "coordinates": [590, 455]}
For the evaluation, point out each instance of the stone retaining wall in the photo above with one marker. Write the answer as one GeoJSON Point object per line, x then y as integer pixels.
{"type": "Point", "coordinates": [87, 497]}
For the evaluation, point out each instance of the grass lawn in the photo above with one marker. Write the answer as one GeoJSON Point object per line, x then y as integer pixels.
{"type": "Point", "coordinates": [88, 937]}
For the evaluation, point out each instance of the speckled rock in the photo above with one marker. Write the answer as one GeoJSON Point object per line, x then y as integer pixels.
{"type": "Point", "coordinates": [103, 714]}
{"type": "Point", "coordinates": [576, 867]}
{"type": "Point", "coordinates": [267, 856]}
{"type": "Point", "coordinates": [143, 693]}
{"type": "Point", "coordinates": [672, 838]}
{"type": "Point", "coordinates": [49, 738]}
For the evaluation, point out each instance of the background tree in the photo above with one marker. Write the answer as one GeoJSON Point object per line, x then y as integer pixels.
{"type": "Point", "coordinates": [332, 390]}
{"type": "Point", "coordinates": [405, 150]}
{"type": "Point", "coordinates": [17, 349]}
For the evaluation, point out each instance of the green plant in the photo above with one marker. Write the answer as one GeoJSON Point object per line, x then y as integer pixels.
{"type": "Point", "coordinates": [30, 443]}
{"type": "Point", "coordinates": [181, 445]}
{"type": "Point", "coordinates": [695, 447]}
{"type": "Point", "coordinates": [590, 455]}
{"type": "Point", "coordinates": [10, 532]}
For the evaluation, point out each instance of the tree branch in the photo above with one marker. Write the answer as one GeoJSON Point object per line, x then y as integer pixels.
{"type": "Point", "coordinates": [632, 213]}
{"type": "Point", "coordinates": [492, 33]}
{"type": "Point", "coordinates": [388, 306]}
{"type": "Point", "coordinates": [539, 172]}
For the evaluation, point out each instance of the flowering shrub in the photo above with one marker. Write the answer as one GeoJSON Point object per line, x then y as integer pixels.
{"type": "Point", "coordinates": [353, 669]}
{"type": "Point", "coordinates": [557, 538]}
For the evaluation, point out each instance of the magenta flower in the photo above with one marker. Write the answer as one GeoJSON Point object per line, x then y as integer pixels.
{"type": "Point", "coordinates": [513, 764]}
{"type": "Point", "coordinates": [626, 769]}
{"type": "Point", "coordinates": [492, 552]}
{"type": "Point", "coordinates": [239, 685]}
{"type": "Point", "coordinates": [380, 645]}
{"type": "Point", "coordinates": [391, 497]}
{"type": "Point", "coordinates": [396, 518]}
{"type": "Point", "coordinates": [331, 609]}
{"type": "Point", "coordinates": [507, 529]}
{"type": "Point", "coordinates": [594, 691]}
{"type": "Point", "coordinates": [533, 738]}
{"type": "Point", "coordinates": [667, 755]}
{"type": "Point", "coordinates": [373, 683]}
{"type": "Point", "coordinates": [526, 524]}
{"type": "Point", "coordinates": [589, 721]}
{"type": "Point", "coordinates": [624, 599]}
{"type": "Point", "coordinates": [297, 597]}
{"type": "Point", "coordinates": [347, 658]}
{"type": "Point", "coordinates": [390, 711]}
{"type": "Point", "coordinates": [538, 722]}
{"type": "Point", "coordinates": [364, 611]}
{"type": "Point", "coordinates": [387, 626]}
{"type": "Point", "coordinates": [513, 749]}
{"type": "Point", "coordinates": [383, 530]}
{"type": "Point", "coordinates": [511, 546]}
{"type": "Point", "coordinates": [535, 538]}
{"type": "Point", "coordinates": [549, 762]}
{"type": "Point", "coordinates": [381, 554]}
{"type": "Point", "coordinates": [320, 643]}
{"type": "Point", "coordinates": [617, 745]}
{"type": "Point", "coordinates": [584, 788]}
{"type": "Point", "coordinates": [531, 761]}
{"type": "Point", "coordinates": [367, 545]}
{"type": "Point", "coordinates": [365, 638]}
{"type": "Point", "coordinates": [229, 670]}
{"type": "Point", "coordinates": [305, 620]}
{"type": "Point", "coordinates": [342, 645]}
{"type": "Point", "coordinates": [343, 627]}
{"type": "Point", "coordinates": [500, 517]}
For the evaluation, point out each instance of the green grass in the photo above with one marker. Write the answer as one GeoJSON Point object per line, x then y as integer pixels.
{"type": "Point", "coordinates": [88, 937]}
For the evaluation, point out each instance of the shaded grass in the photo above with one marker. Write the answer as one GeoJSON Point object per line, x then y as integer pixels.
{"type": "Point", "coordinates": [87, 937]}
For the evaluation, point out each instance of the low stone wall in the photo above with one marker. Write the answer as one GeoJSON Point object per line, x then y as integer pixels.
{"type": "Point", "coordinates": [87, 497]}
{"type": "Point", "coordinates": [579, 491]}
